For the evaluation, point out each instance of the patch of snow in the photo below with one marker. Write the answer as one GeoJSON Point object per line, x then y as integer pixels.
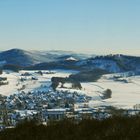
{"type": "Point", "coordinates": [71, 59]}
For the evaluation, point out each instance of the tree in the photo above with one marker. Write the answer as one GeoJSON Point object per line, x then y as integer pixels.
{"type": "Point", "coordinates": [76, 85]}
{"type": "Point", "coordinates": [54, 85]}
{"type": "Point", "coordinates": [0, 71]}
{"type": "Point", "coordinates": [107, 94]}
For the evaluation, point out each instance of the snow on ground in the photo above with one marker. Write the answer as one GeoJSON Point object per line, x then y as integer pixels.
{"type": "Point", "coordinates": [124, 94]}
{"type": "Point", "coordinates": [15, 84]}
{"type": "Point", "coordinates": [11, 87]}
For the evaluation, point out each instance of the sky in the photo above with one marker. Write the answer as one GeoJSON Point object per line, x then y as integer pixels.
{"type": "Point", "coordinates": [89, 26]}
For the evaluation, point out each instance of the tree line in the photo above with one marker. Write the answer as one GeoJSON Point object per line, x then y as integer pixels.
{"type": "Point", "coordinates": [115, 128]}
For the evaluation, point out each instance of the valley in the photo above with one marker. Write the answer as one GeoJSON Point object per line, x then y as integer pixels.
{"type": "Point", "coordinates": [59, 85]}
{"type": "Point", "coordinates": [125, 94]}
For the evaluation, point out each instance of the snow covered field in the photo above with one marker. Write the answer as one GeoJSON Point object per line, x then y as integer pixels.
{"type": "Point", "coordinates": [42, 81]}
{"type": "Point", "coordinates": [124, 94]}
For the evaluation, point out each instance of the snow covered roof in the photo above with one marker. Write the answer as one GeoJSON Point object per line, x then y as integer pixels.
{"type": "Point", "coordinates": [71, 59]}
{"type": "Point", "coordinates": [57, 110]}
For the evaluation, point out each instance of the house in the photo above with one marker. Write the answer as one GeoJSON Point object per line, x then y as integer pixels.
{"type": "Point", "coordinates": [56, 114]}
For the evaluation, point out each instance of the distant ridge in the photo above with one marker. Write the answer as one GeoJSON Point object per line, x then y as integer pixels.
{"type": "Point", "coordinates": [27, 58]}
{"type": "Point", "coordinates": [68, 60]}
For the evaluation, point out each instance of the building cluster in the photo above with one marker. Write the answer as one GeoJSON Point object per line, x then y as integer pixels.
{"type": "Point", "coordinates": [42, 105]}
{"type": "Point", "coordinates": [51, 106]}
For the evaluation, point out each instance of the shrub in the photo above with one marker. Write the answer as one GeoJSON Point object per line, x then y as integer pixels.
{"type": "Point", "coordinates": [107, 94]}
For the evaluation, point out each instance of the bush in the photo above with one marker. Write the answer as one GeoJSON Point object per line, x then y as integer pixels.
{"type": "Point", "coordinates": [76, 85]}
{"type": "Point", "coordinates": [107, 94]}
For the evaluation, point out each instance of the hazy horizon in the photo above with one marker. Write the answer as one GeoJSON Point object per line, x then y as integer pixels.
{"type": "Point", "coordinates": [74, 51]}
{"type": "Point", "coordinates": [83, 26]}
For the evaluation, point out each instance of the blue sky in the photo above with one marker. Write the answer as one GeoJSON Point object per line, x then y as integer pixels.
{"type": "Point", "coordinates": [92, 26]}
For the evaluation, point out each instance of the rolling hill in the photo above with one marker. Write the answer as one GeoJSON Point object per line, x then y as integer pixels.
{"type": "Point", "coordinates": [69, 60]}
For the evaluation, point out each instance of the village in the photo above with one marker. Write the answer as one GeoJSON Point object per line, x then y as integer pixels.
{"type": "Point", "coordinates": [52, 106]}
{"type": "Point", "coordinates": [44, 103]}
{"type": "Point", "coordinates": [44, 106]}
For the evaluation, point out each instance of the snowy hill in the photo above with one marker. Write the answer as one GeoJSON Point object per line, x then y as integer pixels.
{"type": "Point", "coordinates": [68, 60]}
{"type": "Point", "coordinates": [112, 63]}
{"type": "Point", "coordinates": [28, 58]}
